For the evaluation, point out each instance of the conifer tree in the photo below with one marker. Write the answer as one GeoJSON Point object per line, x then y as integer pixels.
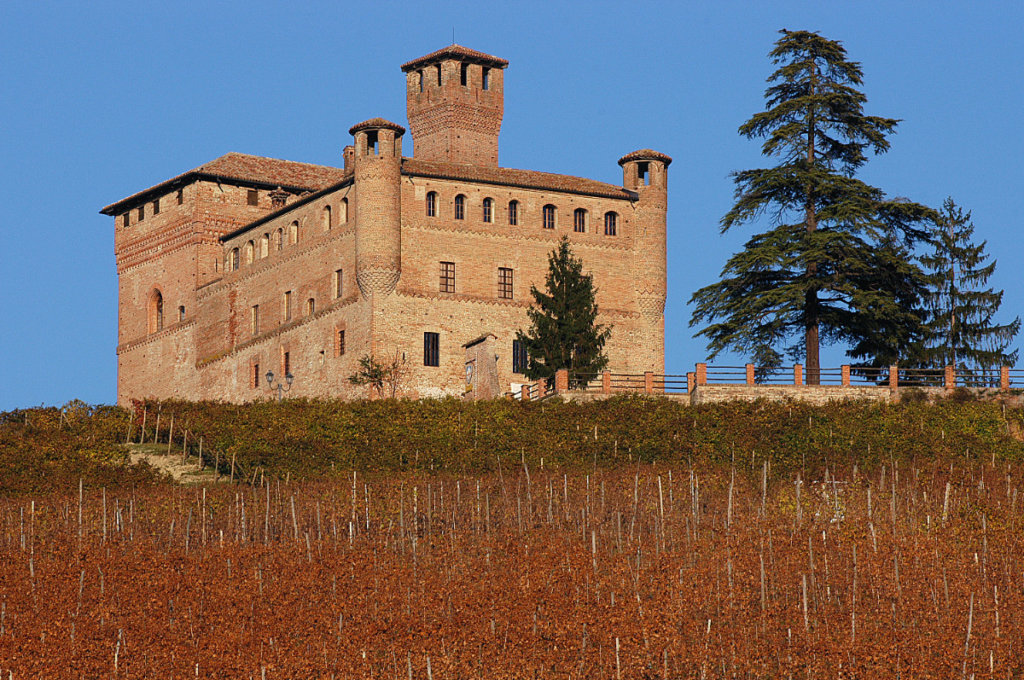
{"type": "Point", "coordinates": [564, 332]}
{"type": "Point", "coordinates": [836, 265]}
{"type": "Point", "coordinates": [962, 331]}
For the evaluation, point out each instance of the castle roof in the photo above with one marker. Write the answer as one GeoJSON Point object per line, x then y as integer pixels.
{"type": "Point", "coordinates": [240, 168]}
{"type": "Point", "coordinates": [458, 52]}
{"type": "Point", "coordinates": [646, 155]}
{"type": "Point", "coordinates": [376, 124]}
{"type": "Point", "coordinates": [527, 179]}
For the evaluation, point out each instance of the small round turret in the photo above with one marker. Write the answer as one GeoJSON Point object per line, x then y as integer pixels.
{"type": "Point", "coordinates": [377, 165]}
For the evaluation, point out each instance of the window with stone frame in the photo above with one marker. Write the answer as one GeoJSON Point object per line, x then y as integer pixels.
{"type": "Point", "coordinates": [611, 223]}
{"type": "Point", "coordinates": [579, 220]}
{"type": "Point", "coordinates": [549, 216]}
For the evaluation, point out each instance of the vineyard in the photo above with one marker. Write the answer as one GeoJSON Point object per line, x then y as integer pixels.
{"type": "Point", "coordinates": [633, 539]}
{"type": "Point", "coordinates": [645, 571]}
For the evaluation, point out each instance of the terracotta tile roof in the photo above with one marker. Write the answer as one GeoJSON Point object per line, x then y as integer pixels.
{"type": "Point", "coordinates": [646, 155]}
{"type": "Point", "coordinates": [377, 123]}
{"type": "Point", "coordinates": [240, 167]}
{"type": "Point", "coordinates": [530, 179]}
{"type": "Point", "coordinates": [454, 51]}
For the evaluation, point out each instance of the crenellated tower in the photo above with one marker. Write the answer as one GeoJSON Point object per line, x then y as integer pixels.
{"type": "Point", "coordinates": [377, 163]}
{"type": "Point", "coordinates": [455, 100]}
{"type": "Point", "coordinates": [646, 173]}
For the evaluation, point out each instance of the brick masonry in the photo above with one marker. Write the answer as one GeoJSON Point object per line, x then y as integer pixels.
{"type": "Point", "coordinates": [230, 247]}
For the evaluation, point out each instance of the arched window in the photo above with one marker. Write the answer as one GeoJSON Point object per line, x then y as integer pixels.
{"type": "Point", "coordinates": [310, 306]}
{"type": "Point", "coordinates": [611, 223]}
{"type": "Point", "coordinates": [460, 207]}
{"type": "Point", "coordinates": [279, 239]}
{"type": "Point", "coordinates": [250, 248]}
{"type": "Point", "coordinates": [513, 213]}
{"type": "Point", "coordinates": [293, 233]}
{"type": "Point", "coordinates": [156, 311]}
{"type": "Point", "coordinates": [488, 210]}
{"type": "Point", "coordinates": [233, 260]}
{"type": "Point", "coordinates": [264, 245]}
{"type": "Point", "coordinates": [325, 218]}
{"type": "Point", "coordinates": [181, 313]}
{"type": "Point", "coordinates": [579, 220]}
{"type": "Point", "coordinates": [549, 216]}
{"type": "Point", "coordinates": [343, 215]}
{"type": "Point", "coordinates": [432, 204]}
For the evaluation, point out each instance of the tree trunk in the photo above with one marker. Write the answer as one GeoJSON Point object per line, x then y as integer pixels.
{"type": "Point", "coordinates": [813, 368]}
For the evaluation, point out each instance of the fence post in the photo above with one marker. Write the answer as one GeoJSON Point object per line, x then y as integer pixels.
{"type": "Point", "coordinates": [524, 392]}
{"type": "Point", "coordinates": [846, 375]}
{"type": "Point", "coordinates": [1004, 378]}
{"type": "Point", "coordinates": [798, 374]}
{"type": "Point", "coordinates": [562, 380]}
{"type": "Point", "coordinates": [894, 377]}
{"type": "Point", "coordinates": [606, 382]}
{"type": "Point", "coordinates": [691, 380]}
{"type": "Point", "coordinates": [950, 378]}
{"type": "Point", "coordinates": [750, 374]}
{"type": "Point", "coordinates": [702, 374]}
{"type": "Point", "coordinates": [542, 388]}
{"type": "Point", "coordinates": [648, 382]}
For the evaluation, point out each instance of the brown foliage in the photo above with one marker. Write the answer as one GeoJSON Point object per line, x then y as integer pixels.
{"type": "Point", "coordinates": [523, 573]}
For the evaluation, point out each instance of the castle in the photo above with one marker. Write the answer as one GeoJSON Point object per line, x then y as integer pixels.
{"type": "Point", "coordinates": [248, 265]}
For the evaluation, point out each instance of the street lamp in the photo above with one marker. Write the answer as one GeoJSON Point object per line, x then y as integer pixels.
{"type": "Point", "coordinates": [281, 389]}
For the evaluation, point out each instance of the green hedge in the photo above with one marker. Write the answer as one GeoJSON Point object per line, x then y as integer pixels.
{"type": "Point", "coordinates": [300, 437]}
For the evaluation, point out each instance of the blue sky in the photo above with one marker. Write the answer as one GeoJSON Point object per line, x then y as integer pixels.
{"type": "Point", "coordinates": [99, 100]}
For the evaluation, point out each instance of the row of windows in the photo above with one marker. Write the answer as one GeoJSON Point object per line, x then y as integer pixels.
{"type": "Point", "coordinates": [155, 316]}
{"type": "Point", "coordinates": [463, 76]}
{"type": "Point", "coordinates": [549, 214]}
{"type": "Point", "coordinates": [286, 303]}
{"type": "Point", "coordinates": [258, 249]}
{"type": "Point", "coordinates": [154, 207]}
{"type": "Point", "coordinates": [447, 280]}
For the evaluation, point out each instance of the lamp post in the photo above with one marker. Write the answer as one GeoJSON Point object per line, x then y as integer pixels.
{"type": "Point", "coordinates": [281, 389]}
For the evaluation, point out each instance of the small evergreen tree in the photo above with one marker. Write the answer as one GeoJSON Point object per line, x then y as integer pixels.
{"type": "Point", "coordinates": [962, 331]}
{"type": "Point", "coordinates": [836, 265]}
{"type": "Point", "coordinates": [564, 332]}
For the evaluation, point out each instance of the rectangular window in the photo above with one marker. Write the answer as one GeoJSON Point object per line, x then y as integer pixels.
{"type": "Point", "coordinates": [505, 283]}
{"type": "Point", "coordinates": [518, 357]}
{"type": "Point", "coordinates": [339, 342]}
{"type": "Point", "coordinates": [253, 197]}
{"type": "Point", "coordinates": [255, 320]}
{"type": "Point", "coordinates": [126, 219]}
{"type": "Point", "coordinates": [286, 364]}
{"type": "Point", "coordinates": [255, 380]}
{"type": "Point", "coordinates": [486, 78]}
{"type": "Point", "coordinates": [447, 277]}
{"type": "Point", "coordinates": [431, 355]}
{"type": "Point", "coordinates": [338, 289]}
{"type": "Point", "coordinates": [142, 212]}
{"type": "Point", "coordinates": [287, 305]}
{"type": "Point", "coordinates": [181, 196]}
{"type": "Point", "coordinates": [156, 207]}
